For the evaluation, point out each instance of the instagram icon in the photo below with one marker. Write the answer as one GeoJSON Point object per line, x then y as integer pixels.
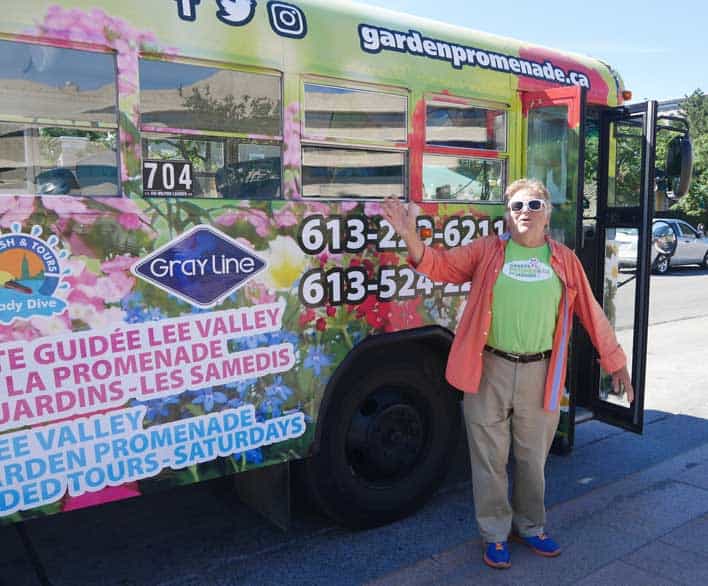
{"type": "Point", "coordinates": [287, 20]}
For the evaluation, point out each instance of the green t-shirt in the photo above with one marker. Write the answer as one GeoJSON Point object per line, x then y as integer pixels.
{"type": "Point", "coordinates": [525, 301]}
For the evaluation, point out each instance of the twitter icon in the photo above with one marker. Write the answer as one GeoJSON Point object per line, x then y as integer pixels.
{"type": "Point", "coordinates": [236, 12]}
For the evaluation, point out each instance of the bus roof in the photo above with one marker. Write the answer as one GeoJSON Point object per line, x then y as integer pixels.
{"type": "Point", "coordinates": [332, 38]}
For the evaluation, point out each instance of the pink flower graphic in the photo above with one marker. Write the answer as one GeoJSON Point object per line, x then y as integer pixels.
{"type": "Point", "coordinates": [258, 293]}
{"type": "Point", "coordinates": [373, 208]}
{"type": "Point", "coordinates": [18, 331]}
{"type": "Point", "coordinates": [285, 217]}
{"type": "Point", "coordinates": [291, 131]}
{"type": "Point", "coordinates": [119, 263]}
{"type": "Point", "coordinates": [69, 208]}
{"type": "Point", "coordinates": [130, 221]}
{"type": "Point", "coordinates": [78, 246]}
{"type": "Point", "coordinates": [15, 209]}
{"type": "Point", "coordinates": [52, 326]}
{"type": "Point", "coordinates": [112, 288]}
{"type": "Point", "coordinates": [131, 216]}
{"type": "Point", "coordinates": [257, 218]}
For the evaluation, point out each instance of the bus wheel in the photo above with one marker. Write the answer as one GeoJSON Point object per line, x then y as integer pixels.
{"type": "Point", "coordinates": [386, 444]}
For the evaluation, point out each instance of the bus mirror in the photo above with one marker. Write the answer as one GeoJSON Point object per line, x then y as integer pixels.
{"type": "Point", "coordinates": [679, 164]}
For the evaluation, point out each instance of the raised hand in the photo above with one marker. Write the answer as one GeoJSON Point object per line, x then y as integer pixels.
{"type": "Point", "coordinates": [403, 219]}
{"type": "Point", "coordinates": [400, 216]}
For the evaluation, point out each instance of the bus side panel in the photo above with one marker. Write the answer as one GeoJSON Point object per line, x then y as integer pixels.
{"type": "Point", "coordinates": [152, 342]}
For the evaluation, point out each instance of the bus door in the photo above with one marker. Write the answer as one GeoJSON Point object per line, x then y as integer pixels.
{"type": "Point", "coordinates": [555, 155]}
{"type": "Point", "coordinates": [617, 209]}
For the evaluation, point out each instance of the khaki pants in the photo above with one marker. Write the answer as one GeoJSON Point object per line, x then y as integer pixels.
{"type": "Point", "coordinates": [507, 412]}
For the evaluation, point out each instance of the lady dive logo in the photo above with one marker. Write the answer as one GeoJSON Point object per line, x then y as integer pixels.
{"type": "Point", "coordinates": [202, 266]}
{"type": "Point", "coordinates": [30, 274]}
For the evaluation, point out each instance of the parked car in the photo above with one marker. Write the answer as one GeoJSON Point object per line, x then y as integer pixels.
{"type": "Point", "coordinates": [674, 243]}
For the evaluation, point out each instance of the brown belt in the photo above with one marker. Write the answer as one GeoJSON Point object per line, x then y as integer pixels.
{"type": "Point", "coordinates": [523, 358]}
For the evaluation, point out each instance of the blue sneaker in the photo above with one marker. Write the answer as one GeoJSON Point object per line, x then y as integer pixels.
{"type": "Point", "coordinates": [540, 544]}
{"type": "Point", "coordinates": [496, 555]}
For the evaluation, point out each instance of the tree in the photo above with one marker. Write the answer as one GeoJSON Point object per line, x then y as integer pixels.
{"type": "Point", "coordinates": [695, 203]}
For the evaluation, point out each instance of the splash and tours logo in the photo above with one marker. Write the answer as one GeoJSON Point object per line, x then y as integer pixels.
{"type": "Point", "coordinates": [30, 274]}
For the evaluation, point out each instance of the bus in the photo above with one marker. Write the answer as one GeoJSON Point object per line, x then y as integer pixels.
{"type": "Point", "coordinates": [195, 277]}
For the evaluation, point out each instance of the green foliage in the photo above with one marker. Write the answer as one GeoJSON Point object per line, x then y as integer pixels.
{"type": "Point", "coordinates": [628, 164]}
{"type": "Point", "coordinates": [695, 203]}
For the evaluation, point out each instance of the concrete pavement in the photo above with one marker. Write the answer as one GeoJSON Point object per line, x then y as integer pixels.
{"type": "Point", "coordinates": [649, 528]}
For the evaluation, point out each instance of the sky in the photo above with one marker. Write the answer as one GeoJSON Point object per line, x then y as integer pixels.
{"type": "Point", "coordinates": [660, 48]}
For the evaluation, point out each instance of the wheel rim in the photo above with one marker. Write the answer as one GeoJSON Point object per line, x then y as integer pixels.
{"type": "Point", "coordinates": [386, 436]}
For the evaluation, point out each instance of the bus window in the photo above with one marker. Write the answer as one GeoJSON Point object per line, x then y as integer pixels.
{"type": "Point", "coordinates": [458, 168]}
{"type": "Point", "coordinates": [627, 185]}
{"type": "Point", "coordinates": [454, 125]}
{"type": "Point", "coordinates": [205, 115]}
{"type": "Point", "coordinates": [548, 150]}
{"type": "Point", "coordinates": [351, 173]}
{"type": "Point", "coordinates": [377, 120]}
{"type": "Point", "coordinates": [465, 179]}
{"type": "Point", "coordinates": [344, 113]}
{"type": "Point", "coordinates": [73, 151]}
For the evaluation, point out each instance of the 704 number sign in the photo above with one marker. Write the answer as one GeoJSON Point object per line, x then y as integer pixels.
{"type": "Point", "coordinates": [167, 178]}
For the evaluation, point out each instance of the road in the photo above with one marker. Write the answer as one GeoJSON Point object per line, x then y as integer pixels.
{"type": "Point", "coordinates": [202, 534]}
{"type": "Point", "coordinates": [680, 295]}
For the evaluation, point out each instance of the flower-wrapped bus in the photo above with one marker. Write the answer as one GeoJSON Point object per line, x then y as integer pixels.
{"type": "Point", "coordinates": [195, 276]}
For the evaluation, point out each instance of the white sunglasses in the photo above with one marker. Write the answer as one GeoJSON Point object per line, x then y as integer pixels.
{"type": "Point", "coordinates": [533, 205]}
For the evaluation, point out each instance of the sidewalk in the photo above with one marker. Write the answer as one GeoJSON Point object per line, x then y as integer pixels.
{"type": "Point", "coordinates": [648, 529]}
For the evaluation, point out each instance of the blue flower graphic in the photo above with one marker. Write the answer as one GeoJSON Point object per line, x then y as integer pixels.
{"type": "Point", "coordinates": [283, 337]}
{"type": "Point", "coordinates": [254, 456]}
{"type": "Point", "coordinates": [252, 342]}
{"type": "Point", "coordinates": [275, 395]}
{"type": "Point", "coordinates": [157, 408]}
{"type": "Point", "coordinates": [154, 314]}
{"type": "Point", "coordinates": [238, 391]}
{"type": "Point", "coordinates": [278, 390]}
{"type": "Point", "coordinates": [130, 300]}
{"type": "Point", "coordinates": [136, 313]}
{"type": "Point", "coordinates": [316, 359]}
{"type": "Point", "coordinates": [208, 397]}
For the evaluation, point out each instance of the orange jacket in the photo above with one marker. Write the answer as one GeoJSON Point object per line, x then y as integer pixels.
{"type": "Point", "coordinates": [480, 263]}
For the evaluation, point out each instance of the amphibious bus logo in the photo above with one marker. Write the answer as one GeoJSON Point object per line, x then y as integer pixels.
{"type": "Point", "coordinates": [31, 272]}
{"type": "Point", "coordinates": [202, 266]}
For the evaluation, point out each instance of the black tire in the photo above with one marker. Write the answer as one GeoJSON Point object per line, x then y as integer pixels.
{"type": "Point", "coordinates": [662, 264]}
{"type": "Point", "coordinates": [704, 264]}
{"type": "Point", "coordinates": [386, 443]}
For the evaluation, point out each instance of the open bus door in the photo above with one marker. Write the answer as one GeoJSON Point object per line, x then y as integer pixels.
{"type": "Point", "coordinates": [618, 219]}
{"type": "Point", "coordinates": [616, 248]}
